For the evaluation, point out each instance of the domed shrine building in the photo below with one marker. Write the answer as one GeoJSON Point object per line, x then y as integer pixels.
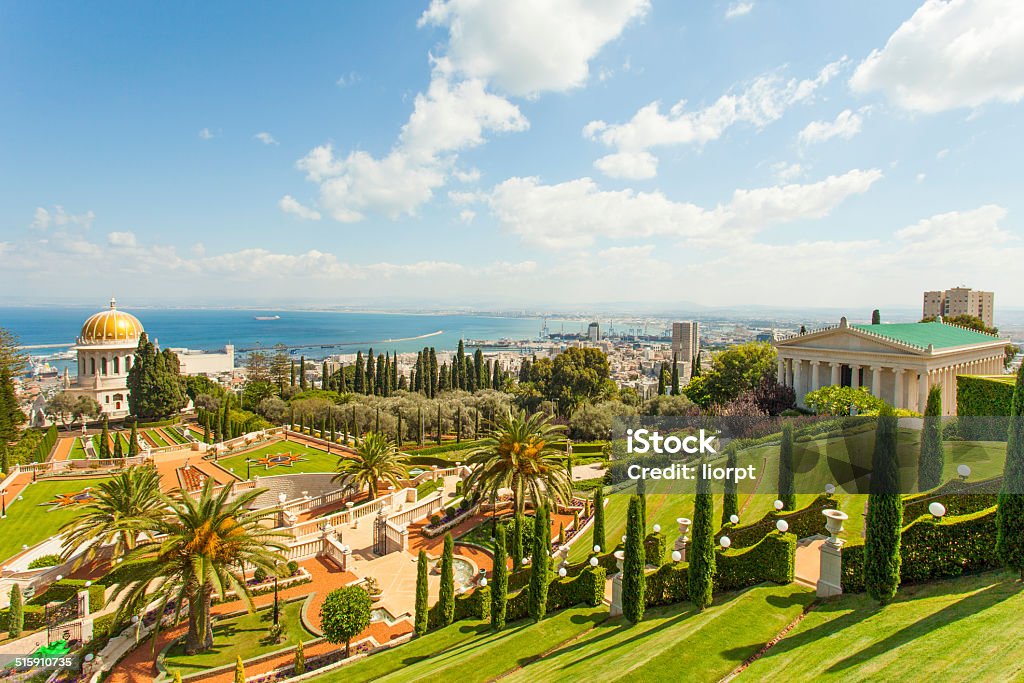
{"type": "Point", "coordinates": [106, 348]}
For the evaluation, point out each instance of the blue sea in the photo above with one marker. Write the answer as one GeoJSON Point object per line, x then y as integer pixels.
{"type": "Point", "coordinates": [336, 332]}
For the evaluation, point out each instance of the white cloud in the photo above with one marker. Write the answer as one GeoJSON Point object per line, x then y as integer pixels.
{"type": "Point", "coordinates": [942, 153]}
{"type": "Point", "coordinates": [122, 239]}
{"type": "Point", "coordinates": [760, 103]}
{"type": "Point", "coordinates": [529, 46]}
{"type": "Point", "coordinates": [631, 165]}
{"type": "Point", "coordinates": [467, 216]}
{"type": "Point", "coordinates": [787, 172]}
{"type": "Point", "coordinates": [575, 213]}
{"type": "Point", "coordinates": [846, 125]}
{"type": "Point", "coordinates": [43, 219]}
{"type": "Point", "coordinates": [345, 80]}
{"type": "Point", "coordinates": [290, 204]}
{"type": "Point", "coordinates": [471, 175]}
{"type": "Point", "coordinates": [266, 138]}
{"type": "Point", "coordinates": [739, 9]}
{"type": "Point", "coordinates": [950, 54]}
{"type": "Point", "coordinates": [206, 134]}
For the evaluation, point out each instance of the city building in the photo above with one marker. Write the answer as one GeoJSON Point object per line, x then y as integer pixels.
{"type": "Point", "coordinates": [207, 363]}
{"type": "Point", "coordinates": [105, 349]}
{"type": "Point", "coordinates": [594, 332]}
{"type": "Point", "coordinates": [686, 340]}
{"type": "Point", "coordinates": [959, 301]}
{"type": "Point", "coordinates": [897, 362]}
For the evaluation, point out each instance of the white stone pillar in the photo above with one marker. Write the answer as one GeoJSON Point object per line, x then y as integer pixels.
{"type": "Point", "coordinates": [855, 376]}
{"type": "Point", "coordinates": [898, 377]}
{"type": "Point", "coordinates": [876, 381]}
{"type": "Point", "coordinates": [815, 375]}
{"type": "Point", "coordinates": [781, 374]}
{"type": "Point", "coordinates": [798, 380]}
{"type": "Point", "coordinates": [922, 390]}
{"type": "Point", "coordinates": [836, 369]}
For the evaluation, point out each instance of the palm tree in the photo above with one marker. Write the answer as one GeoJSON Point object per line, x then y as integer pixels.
{"type": "Point", "coordinates": [524, 454]}
{"type": "Point", "coordinates": [375, 459]}
{"type": "Point", "coordinates": [120, 509]}
{"type": "Point", "coordinates": [199, 550]}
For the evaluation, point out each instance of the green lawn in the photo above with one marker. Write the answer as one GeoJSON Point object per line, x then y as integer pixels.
{"type": "Point", "coordinates": [471, 652]}
{"type": "Point", "coordinates": [28, 522]}
{"type": "Point", "coordinates": [966, 629]}
{"type": "Point", "coordinates": [244, 635]}
{"type": "Point", "coordinates": [314, 460]}
{"type": "Point", "coordinates": [77, 450]}
{"type": "Point", "coordinates": [156, 437]}
{"type": "Point", "coordinates": [674, 642]}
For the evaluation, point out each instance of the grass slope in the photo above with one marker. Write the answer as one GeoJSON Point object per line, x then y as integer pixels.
{"type": "Point", "coordinates": [314, 460]}
{"type": "Point", "coordinates": [965, 629]}
{"type": "Point", "coordinates": [29, 521]}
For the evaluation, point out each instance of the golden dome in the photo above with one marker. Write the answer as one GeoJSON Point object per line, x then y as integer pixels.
{"type": "Point", "coordinates": [111, 327]}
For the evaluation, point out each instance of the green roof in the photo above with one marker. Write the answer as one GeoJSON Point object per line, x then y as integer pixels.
{"type": "Point", "coordinates": [939, 335]}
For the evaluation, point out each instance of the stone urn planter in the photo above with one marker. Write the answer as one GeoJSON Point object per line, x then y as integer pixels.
{"type": "Point", "coordinates": [374, 589]}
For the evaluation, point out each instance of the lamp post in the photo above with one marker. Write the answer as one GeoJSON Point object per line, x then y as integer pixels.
{"type": "Point", "coordinates": [3, 498]}
{"type": "Point", "coordinates": [248, 466]}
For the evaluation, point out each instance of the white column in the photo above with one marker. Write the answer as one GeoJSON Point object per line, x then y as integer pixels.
{"type": "Point", "coordinates": [876, 381]}
{"type": "Point", "coordinates": [922, 390]}
{"type": "Point", "coordinates": [797, 380]}
{"type": "Point", "coordinates": [815, 379]}
{"type": "Point", "coordinates": [855, 376]}
{"type": "Point", "coordinates": [781, 374]}
{"type": "Point", "coordinates": [836, 368]}
{"type": "Point", "coordinates": [898, 377]}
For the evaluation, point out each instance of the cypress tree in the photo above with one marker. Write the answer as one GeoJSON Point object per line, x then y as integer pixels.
{"type": "Point", "coordinates": [342, 381]}
{"type": "Point", "coordinates": [359, 381]}
{"type": "Point", "coordinates": [4, 458]}
{"type": "Point", "coordinates": [433, 372]}
{"type": "Point", "coordinates": [15, 613]}
{"type": "Point", "coordinates": [370, 373]}
{"type": "Point", "coordinates": [334, 435]}
{"type": "Point", "coordinates": [300, 659]}
{"type": "Point", "coordinates": [422, 606]}
{"type": "Point", "coordinates": [701, 574]}
{"type": "Point", "coordinates": [730, 502]}
{"type": "Point", "coordinates": [133, 439]}
{"type": "Point", "coordinates": [446, 596]}
{"type": "Point", "coordinates": [398, 430]}
{"type": "Point", "coordinates": [496, 378]}
{"type": "Point", "coordinates": [378, 383]}
{"type": "Point", "coordinates": [876, 317]}
{"type": "Point", "coordinates": [599, 533]}
{"type": "Point", "coordinates": [641, 492]}
{"type": "Point", "coordinates": [696, 366]}
{"type": "Point", "coordinates": [394, 373]}
{"type": "Point", "coordinates": [516, 544]}
{"type": "Point", "coordinates": [481, 369]}
{"type": "Point", "coordinates": [293, 373]}
{"type": "Point", "coordinates": [105, 440]}
{"type": "Point", "coordinates": [239, 670]}
{"type": "Point", "coordinates": [661, 380]}
{"type": "Point", "coordinates": [325, 380]}
{"type": "Point", "coordinates": [786, 492]}
{"type": "Point", "coordinates": [675, 375]}
{"type": "Point", "coordinates": [459, 366]}
{"type": "Point", "coordinates": [499, 581]}
{"type": "Point", "coordinates": [118, 452]}
{"type": "Point", "coordinates": [885, 514]}
{"type": "Point", "coordinates": [417, 385]}
{"type": "Point", "coordinates": [634, 563]}
{"type": "Point", "coordinates": [302, 373]}
{"type": "Point", "coordinates": [476, 423]}
{"type": "Point", "coordinates": [932, 460]}
{"type": "Point", "coordinates": [1010, 513]}
{"type": "Point", "coordinates": [539, 578]}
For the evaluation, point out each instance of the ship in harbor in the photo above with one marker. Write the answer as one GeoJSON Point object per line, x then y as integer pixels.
{"type": "Point", "coordinates": [266, 317]}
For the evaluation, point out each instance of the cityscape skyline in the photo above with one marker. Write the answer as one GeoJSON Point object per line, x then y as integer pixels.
{"type": "Point", "coordinates": [642, 152]}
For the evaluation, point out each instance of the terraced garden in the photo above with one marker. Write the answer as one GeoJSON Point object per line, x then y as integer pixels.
{"type": "Point", "coordinates": [30, 520]}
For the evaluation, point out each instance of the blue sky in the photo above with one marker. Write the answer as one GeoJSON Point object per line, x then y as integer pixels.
{"type": "Point", "coordinates": [511, 154]}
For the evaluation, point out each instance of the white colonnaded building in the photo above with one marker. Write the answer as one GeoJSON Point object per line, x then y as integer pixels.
{"type": "Point", "coordinates": [105, 350]}
{"type": "Point", "coordinates": [897, 362]}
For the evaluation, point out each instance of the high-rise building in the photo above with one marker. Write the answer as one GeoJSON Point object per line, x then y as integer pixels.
{"type": "Point", "coordinates": [594, 332]}
{"type": "Point", "coordinates": [960, 301]}
{"type": "Point", "coordinates": [686, 340]}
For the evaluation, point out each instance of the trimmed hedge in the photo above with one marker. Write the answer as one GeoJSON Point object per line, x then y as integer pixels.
{"type": "Point", "coordinates": [444, 448]}
{"type": "Point", "coordinates": [667, 585]}
{"type": "Point", "coordinates": [427, 461]}
{"type": "Point", "coordinates": [773, 559]}
{"type": "Point", "coordinates": [145, 424]}
{"type": "Point", "coordinates": [934, 550]}
{"type": "Point", "coordinates": [987, 401]}
{"type": "Point", "coordinates": [655, 546]}
{"type": "Point", "coordinates": [34, 617]}
{"type": "Point", "coordinates": [586, 588]}
{"type": "Point", "coordinates": [804, 522]}
{"type": "Point", "coordinates": [65, 589]}
{"type": "Point", "coordinates": [959, 498]}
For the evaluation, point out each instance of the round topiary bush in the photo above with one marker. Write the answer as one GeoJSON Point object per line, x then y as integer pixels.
{"type": "Point", "coordinates": [260, 575]}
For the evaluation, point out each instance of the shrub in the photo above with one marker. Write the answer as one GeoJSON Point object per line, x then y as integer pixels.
{"type": "Point", "coordinates": [300, 659]}
{"type": "Point", "coordinates": [655, 546]}
{"type": "Point", "coordinates": [772, 559]}
{"type": "Point", "coordinates": [1010, 513]}
{"type": "Point", "coordinates": [929, 473]}
{"type": "Point", "coordinates": [293, 567]}
{"type": "Point", "coordinates": [45, 561]}
{"type": "Point", "coordinates": [65, 589]}
{"type": "Point", "coordinates": [260, 575]}
{"type": "Point", "coordinates": [805, 522]}
{"type": "Point", "coordinates": [634, 564]}
{"type": "Point", "coordinates": [474, 605]}
{"type": "Point", "coordinates": [667, 585]}
{"type": "Point", "coordinates": [987, 401]}
{"type": "Point", "coordinates": [15, 615]}
{"type": "Point", "coordinates": [435, 519]}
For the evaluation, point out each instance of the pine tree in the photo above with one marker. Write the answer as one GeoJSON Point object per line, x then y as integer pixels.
{"type": "Point", "coordinates": [730, 503]}
{"type": "Point", "coordinates": [446, 595]}
{"type": "Point", "coordinates": [599, 533]}
{"type": "Point", "coordinates": [499, 581]}
{"type": "Point", "coordinates": [786, 492]}
{"type": "Point", "coordinates": [876, 317]}
{"type": "Point", "coordinates": [884, 524]}
{"type": "Point", "coordinates": [422, 606]}
{"type": "Point", "coordinates": [539, 574]}
{"type": "Point", "coordinates": [516, 545]}
{"type": "Point", "coordinates": [675, 375]}
{"type": "Point", "coordinates": [133, 439]}
{"type": "Point", "coordinates": [701, 574]}
{"type": "Point", "coordinates": [15, 613]}
{"type": "Point", "coordinates": [302, 373]}
{"type": "Point", "coordinates": [1010, 513]}
{"type": "Point", "coordinates": [633, 565]}
{"type": "Point", "coordinates": [932, 460]}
